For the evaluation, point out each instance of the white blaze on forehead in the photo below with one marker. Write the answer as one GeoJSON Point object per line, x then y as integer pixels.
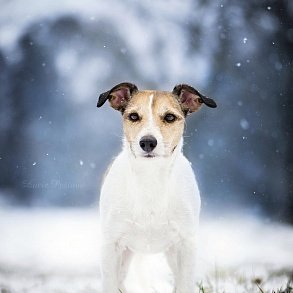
{"type": "Point", "coordinates": [151, 103]}
{"type": "Point", "coordinates": [150, 108]}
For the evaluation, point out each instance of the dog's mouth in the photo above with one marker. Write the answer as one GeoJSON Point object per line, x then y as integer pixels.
{"type": "Point", "coordinates": [149, 156]}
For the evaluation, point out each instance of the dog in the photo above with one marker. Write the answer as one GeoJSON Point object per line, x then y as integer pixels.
{"type": "Point", "coordinates": [150, 201]}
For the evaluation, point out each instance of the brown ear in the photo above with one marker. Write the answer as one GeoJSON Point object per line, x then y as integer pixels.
{"type": "Point", "coordinates": [118, 96]}
{"type": "Point", "coordinates": [191, 99]}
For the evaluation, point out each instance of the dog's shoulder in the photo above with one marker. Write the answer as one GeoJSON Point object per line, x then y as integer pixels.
{"type": "Point", "coordinates": [185, 183]}
{"type": "Point", "coordinates": [117, 163]}
{"type": "Point", "coordinates": [183, 167]}
{"type": "Point", "coordinates": [107, 171]}
{"type": "Point", "coordinates": [115, 173]}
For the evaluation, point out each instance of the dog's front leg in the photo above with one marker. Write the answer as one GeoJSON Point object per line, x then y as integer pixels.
{"type": "Point", "coordinates": [186, 264]}
{"type": "Point", "coordinates": [109, 268]}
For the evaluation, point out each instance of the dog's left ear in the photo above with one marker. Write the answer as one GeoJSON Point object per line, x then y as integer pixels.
{"type": "Point", "coordinates": [191, 99]}
{"type": "Point", "coordinates": [118, 96]}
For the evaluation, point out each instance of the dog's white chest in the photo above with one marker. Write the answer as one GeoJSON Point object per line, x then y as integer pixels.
{"type": "Point", "coordinates": [148, 224]}
{"type": "Point", "coordinates": [149, 207]}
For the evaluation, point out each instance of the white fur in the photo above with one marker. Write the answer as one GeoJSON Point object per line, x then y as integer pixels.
{"type": "Point", "coordinates": [149, 205]}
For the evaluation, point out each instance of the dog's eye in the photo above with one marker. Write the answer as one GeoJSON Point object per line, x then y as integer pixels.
{"type": "Point", "coordinates": [169, 118]}
{"type": "Point", "coordinates": [133, 117]}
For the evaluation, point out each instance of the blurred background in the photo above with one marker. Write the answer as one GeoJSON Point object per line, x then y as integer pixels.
{"type": "Point", "coordinates": [57, 57]}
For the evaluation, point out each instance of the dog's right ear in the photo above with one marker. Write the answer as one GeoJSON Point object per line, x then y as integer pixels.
{"type": "Point", "coordinates": [118, 96]}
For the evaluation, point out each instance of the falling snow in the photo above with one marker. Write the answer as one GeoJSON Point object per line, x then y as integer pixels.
{"type": "Point", "coordinates": [210, 142]}
{"type": "Point", "coordinates": [244, 124]}
{"type": "Point", "coordinates": [93, 165]}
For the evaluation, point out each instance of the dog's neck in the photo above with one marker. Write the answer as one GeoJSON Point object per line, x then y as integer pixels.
{"type": "Point", "coordinates": [148, 178]}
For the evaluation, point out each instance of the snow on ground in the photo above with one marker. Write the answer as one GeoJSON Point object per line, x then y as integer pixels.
{"type": "Point", "coordinates": [57, 251]}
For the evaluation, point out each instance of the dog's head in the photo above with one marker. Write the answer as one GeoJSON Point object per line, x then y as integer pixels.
{"type": "Point", "coordinates": [153, 121]}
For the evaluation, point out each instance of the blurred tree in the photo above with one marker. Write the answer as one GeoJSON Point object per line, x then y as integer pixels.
{"type": "Point", "coordinates": [252, 80]}
{"type": "Point", "coordinates": [29, 97]}
{"type": "Point", "coordinates": [283, 11]}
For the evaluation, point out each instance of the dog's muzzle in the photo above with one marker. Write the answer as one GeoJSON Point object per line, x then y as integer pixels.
{"type": "Point", "coordinates": [148, 143]}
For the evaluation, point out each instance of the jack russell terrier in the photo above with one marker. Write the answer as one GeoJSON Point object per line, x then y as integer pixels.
{"type": "Point", "coordinates": [149, 200]}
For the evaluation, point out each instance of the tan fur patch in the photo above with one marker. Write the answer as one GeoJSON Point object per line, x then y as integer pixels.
{"type": "Point", "coordinates": [162, 103]}
{"type": "Point", "coordinates": [171, 132]}
{"type": "Point", "coordinates": [138, 104]}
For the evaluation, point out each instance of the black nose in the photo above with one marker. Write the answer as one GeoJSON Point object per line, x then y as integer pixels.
{"type": "Point", "coordinates": [148, 143]}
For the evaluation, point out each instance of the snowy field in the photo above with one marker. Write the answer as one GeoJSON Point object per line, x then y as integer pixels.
{"type": "Point", "coordinates": [57, 251]}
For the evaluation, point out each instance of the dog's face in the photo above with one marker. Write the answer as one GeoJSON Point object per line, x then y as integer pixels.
{"type": "Point", "coordinates": [153, 121]}
{"type": "Point", "coordinates": [153, 124]}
